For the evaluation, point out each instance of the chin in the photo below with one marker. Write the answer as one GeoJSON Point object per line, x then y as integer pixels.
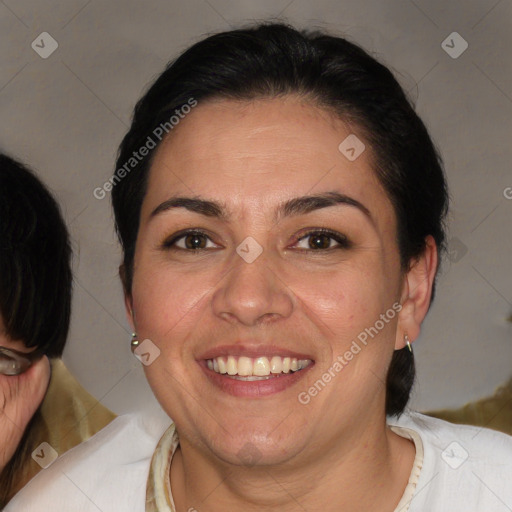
{"type": "Point", "coordinates": [262, 447]}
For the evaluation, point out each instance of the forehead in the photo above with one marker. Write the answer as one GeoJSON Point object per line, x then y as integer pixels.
{"type": "Point", "coordinates": [257, 152]}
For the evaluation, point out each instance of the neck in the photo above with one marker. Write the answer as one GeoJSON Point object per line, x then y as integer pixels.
{"type": "Point", "coordinates": [360, 470]}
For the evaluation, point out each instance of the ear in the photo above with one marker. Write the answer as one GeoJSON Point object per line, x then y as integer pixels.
{"type": "Point", "coordinates": [128, 303]}
{"type": "Point", "coordinates": [416, 293]}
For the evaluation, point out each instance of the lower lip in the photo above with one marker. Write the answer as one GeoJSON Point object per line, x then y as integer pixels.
{"type": "Point", "coordinates": [254, 388]}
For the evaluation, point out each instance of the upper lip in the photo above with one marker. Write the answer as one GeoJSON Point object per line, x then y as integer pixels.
{"type": "Point", "coordinates": [253, 351]}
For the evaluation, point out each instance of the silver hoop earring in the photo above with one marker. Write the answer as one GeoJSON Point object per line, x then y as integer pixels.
{"type": "Point", "coordinates": [407, 342]}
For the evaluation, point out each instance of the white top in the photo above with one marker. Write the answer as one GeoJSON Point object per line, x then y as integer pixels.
{"type": "Point", "coordinates": [457, 468]}
{"type": "Point", "coordinates": [158, 490]}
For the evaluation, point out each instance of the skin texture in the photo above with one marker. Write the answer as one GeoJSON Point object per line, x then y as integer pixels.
{"type": "Point", "coordinates": [20, 396]}
{"type": "Point", "coordinates": [335, 453]}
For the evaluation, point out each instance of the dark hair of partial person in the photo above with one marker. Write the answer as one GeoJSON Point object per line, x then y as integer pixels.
{"type": "Point", "coordinates": [35, 286]}
{"type": "Point", "coordinates": [272, 60]}
{"type": "Point", "coordinates": [35, 258]}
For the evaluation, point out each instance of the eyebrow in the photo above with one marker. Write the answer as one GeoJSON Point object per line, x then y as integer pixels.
{"type": "Point", "coordinates": [291, 207]}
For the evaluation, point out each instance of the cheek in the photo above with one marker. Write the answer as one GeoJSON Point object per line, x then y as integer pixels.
{"type": "Point", "coordinates": [345, 300]}
{"type": "Point", "coordinates": [166, 302]}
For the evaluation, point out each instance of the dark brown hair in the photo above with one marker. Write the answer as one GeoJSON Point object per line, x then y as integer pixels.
{"type": "Point", "coordinates": [35, 287]}
{"type": "Point", "coordinates": [35, 261]}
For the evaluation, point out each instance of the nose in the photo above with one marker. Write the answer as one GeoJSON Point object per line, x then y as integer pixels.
{"type": "Point", "coordinates": [252, 293]}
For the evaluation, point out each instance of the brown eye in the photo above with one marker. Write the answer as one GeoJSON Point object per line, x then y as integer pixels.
{"type": "Point", "coordinates": [319, 241]}
{"type": "Point", "coordinates": [323, 240]}
{"type": "Point", "coordinates": [189, 241]}
{"type": "Point", "coordinates": [194, 241]}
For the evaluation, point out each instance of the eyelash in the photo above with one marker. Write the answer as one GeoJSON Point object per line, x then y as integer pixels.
{"type": "Point", "coordinates": [342, 240]}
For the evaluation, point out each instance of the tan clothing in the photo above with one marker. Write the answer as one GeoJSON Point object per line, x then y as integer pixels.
{"type": "Point", "coordinates": [493, 412]}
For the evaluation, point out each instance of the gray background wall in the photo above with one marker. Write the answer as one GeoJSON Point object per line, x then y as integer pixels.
{"type": "Point", "coordinates": [65, 116]}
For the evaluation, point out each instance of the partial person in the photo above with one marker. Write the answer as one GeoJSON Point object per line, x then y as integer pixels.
{"type": "Point", "coordinates": [35, 308]}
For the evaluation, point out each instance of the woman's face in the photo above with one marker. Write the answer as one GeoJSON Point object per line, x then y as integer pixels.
{"type": "Point", "coordinates": [259, 284]}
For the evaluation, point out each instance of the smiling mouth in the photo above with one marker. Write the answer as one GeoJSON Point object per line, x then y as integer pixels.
{"type": "Point", "coordinates": [257, 368]}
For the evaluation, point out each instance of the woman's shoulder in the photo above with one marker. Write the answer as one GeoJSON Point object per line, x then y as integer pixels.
{"type": "Point", "coordinates": [105, 472]}
{"type": "Point", "coordinates": [464, 467]}
{"type": "Point", "coordinates": [437, 432]}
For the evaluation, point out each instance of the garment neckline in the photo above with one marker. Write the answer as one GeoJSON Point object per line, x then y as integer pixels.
{"type": "Point", "coordinates": [158, 488]}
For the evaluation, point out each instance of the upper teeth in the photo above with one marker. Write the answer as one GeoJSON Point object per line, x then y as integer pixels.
{"type": "Point", "coordinates": [259, 366]}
